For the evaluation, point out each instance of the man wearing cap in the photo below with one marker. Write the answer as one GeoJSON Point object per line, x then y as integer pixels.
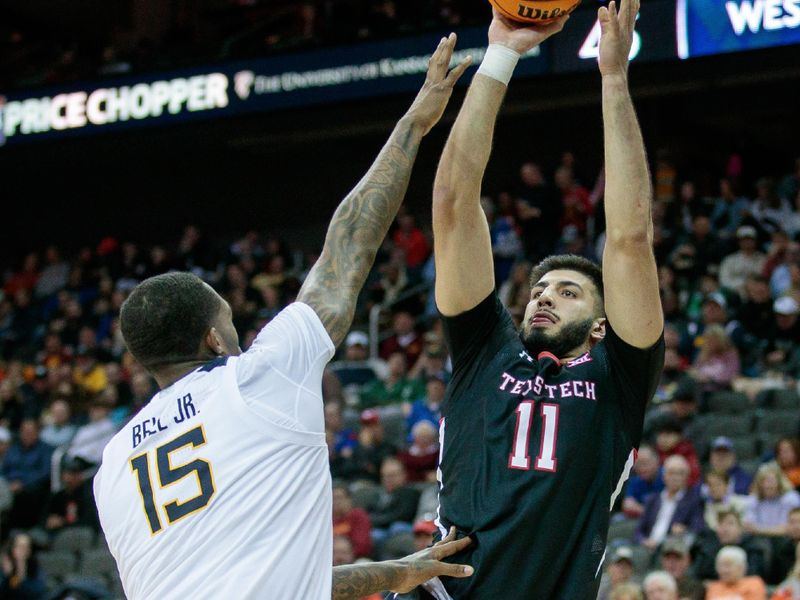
{"type": "Point", "coordinates": [781, 353]}
{"type": "Point", "coordinates": [423, 534]}
{"type": "Point", "coordinates": [714, 312]}
{"type": "Point", "coordinates": [356, 367]}
{"type": "Point", "coordinates": [737, 267]}
{"type": "Point", "coordinates": [372, 448]}
{"type": "Point", "coordinates": [619, 572]}
{"type": "Point", "coordinates": [723, 460]}
{"type": "Point", "coordinates": [74, 503]}
{"type": "Point", "coordinates": [675, 560]}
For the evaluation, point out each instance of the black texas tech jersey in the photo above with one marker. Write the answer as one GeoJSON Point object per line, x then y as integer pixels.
{"type": "Point", "coordinates": [534, 453]}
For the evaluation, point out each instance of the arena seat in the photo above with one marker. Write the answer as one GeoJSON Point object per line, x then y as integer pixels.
{"type": "Point", "coordinates": [622, 530]}
{"type": "Point", "coordinates": [729, 425]}
{"type": "Point", "coordinates": [56, 564]}
{"type": "Point", "coordinates": [729, 402]}
{"type": "Point", "coordinates": [780, 422]}
{"type": "Point", "coordinates": [786, 400]}
{"type": "Point", "coordinates": [746, 447]}
{"type": "Point", "coordinates": [74, 539]}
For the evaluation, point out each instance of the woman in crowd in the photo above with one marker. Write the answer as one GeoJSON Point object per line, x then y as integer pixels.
{"type": "Point", "coordinates": [772, 499]}
{"type": "Point", "coordinates": [20, 578]}
{"type": "Point", "coordinates": [732, 583]}
{"type": "Point", "coordinates": [717, 364]}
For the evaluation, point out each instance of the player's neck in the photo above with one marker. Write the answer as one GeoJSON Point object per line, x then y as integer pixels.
{"type": "Point", "coordinates": [168, 375]}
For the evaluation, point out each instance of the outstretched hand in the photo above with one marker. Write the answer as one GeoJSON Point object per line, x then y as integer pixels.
{"type": "Point", "coordinates": [616, 36]}
{"type": "Point", "coordinates": [427, 564]}
{"type": "Point", "coordinates": [429, 105]}
{"type": "Point", "coordinates": [518, 36]}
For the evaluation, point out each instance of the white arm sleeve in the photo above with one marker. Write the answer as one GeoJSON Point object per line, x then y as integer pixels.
{"type": "Point", "coordinates": [282, 371]}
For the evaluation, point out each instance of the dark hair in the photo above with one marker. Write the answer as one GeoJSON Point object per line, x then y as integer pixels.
{"type": "Point", "coordinates": [726, 512]}
{"type": "Point", "coordinates": [165, 318]}
{"type": "Point", "coordinates": [572, 262]}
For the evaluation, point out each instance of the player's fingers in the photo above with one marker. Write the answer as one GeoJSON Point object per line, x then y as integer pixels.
{"type": "Point", "coordinates": [448, 570]}
{"type": "Point", "coordinates": [458, 71]}
{"type": "Point", "coordinates": [603, 17]}
{"type": "Point", "coordinates": [451, 535]}
{"type": "Point", "coordinates": [433, 61]}
{"type": "Point", "coordinates": [449, 548]}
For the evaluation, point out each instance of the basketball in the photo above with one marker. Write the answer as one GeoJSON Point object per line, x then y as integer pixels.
{"type": "Point", "coordinates": [535, 12]}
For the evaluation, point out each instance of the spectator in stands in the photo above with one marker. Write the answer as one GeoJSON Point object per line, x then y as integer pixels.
{"type": "Point", "coordinates": [714, 312]}
{"type": "Point", "coordinates": [404, 339]}
{"type": "Point", "coordinates": [772, 499]}
{"type": "Point", "coordinates": [790, 184]}
{"type": "Point", "coordinates": [504, 234]}
{"type": "Point", "coordinates": [423, 534]}
{"type": "Point", "coordinates": [729, 209]}
{"type": "Point", "coordinates": [717, 364]}
{"type": "Point", "coordinates": [787, 455]}
{"type": "Point", "coordinates": [768, 209]}
{"type": "Point", "coordinates": [696, 251]}
{"type": "Point", "coordinates": [789, 588]}
{"type": "Point", "coordinates": [345, 438]}
{"type": "Point", "coordinates": [396, 505]}
{"type": "Point", "coordinates": [753, 319]}
{"type": "Point", "coordinates": [433, 360]}
{"type": "Point", "coordinates": [780, 353]}
{"type": "Point", "coordinates": [27, 470]}
{"type": "Point", "coordinates": [574, 199]}
{"type": "Point", "coordinates": [737, 267]}
{"type": "Point", "coordinates": [89, 374]}
{"type": "Point", "coordinates": [784, 547]}
{"type": "Point", "coordinates": [429, 407]}
{"type": "Point", "coordinates": [356, 367]}
{"type": "Point", "coordinates": [421, 458]}
{"type": "Point", "coordinates": [342, 551]}
{"type": "Point", "coordinates": [396, 388]}
{"type": "Point", "coordinates": [731, 565]}
{"type": "Point", "coordinates": [646, 481]}
{"type": "Point", "coordinates": [59, 429]}
{"type": "Point", "coordinates": [729, 533]}
{"type": "Point", "coordinates": [718, 496]}
{"type": "Point", "coordinates": [351, 522]}
{"type": "Point", "coordinates": [20, 578]}
{"type": "Point", "coordinates": [627, 591]}
{"type": "Point", "coordinates": [660, 585]}
{"type": "Point", "coordinates": [54, 275]}
{"type": "Point", "coordinates": [25, 277]}
{"type": "Point", "coordinates": [723, 460]}
{"type": "Point", "coordinates": [618, 573]}
{"type": "Point", "coordinates": [539, 212]}
{"type": "Point", "coordinates": [670, 442]}
{"type": "Point", "coordinates": [372, 449]}
{"type": "Point", "coordinates": [676, 560]}
{"type": "Point", "coordinates": [677, 510]}
{"type": "Point", "coordinates": [413, 242]}
{"type": "Point", "coordinates": [91, 439]}
{"type": "Point", "coordinates": [73, 504]}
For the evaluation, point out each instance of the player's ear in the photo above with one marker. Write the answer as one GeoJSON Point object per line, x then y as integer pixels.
{"type": "Point", "coordinates": [598, 331]}
{"type": "Point", "coordinates": [213, 341]}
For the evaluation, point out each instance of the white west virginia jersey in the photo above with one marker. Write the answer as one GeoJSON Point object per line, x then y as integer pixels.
{"type": "Point", "coordinates": [220, 487]}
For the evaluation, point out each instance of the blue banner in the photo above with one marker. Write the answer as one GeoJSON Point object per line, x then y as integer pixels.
{"type": "Point", "coordinates": [321, 77]}
{"type": "Point", "coordinates": [715, 26]}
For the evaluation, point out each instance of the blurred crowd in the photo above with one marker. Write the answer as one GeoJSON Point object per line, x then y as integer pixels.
{"type": "Point", "coordinates": [712, 509]}
{"type": "Point", "coordinates": [144, 35]}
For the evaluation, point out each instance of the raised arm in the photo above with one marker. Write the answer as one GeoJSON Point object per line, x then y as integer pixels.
{"type": "Point", "coordinates": [630, 278]}
{"type": "Point", "coordinates": [362, 219]}
{"type": "Point", "coordinates": [462, 247]}
{"type": "Point", "coordinates": [351, 582]}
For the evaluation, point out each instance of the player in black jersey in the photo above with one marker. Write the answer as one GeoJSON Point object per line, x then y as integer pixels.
{"type": "Point", "coordinates": [541, 425]}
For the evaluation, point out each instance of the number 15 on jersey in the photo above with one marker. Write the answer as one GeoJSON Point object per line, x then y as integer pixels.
{"type": "Point", "coordinates": [169, 474]}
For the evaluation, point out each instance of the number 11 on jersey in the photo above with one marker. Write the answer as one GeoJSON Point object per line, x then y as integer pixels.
{"type": "Point", "coordinates": [519, 457]}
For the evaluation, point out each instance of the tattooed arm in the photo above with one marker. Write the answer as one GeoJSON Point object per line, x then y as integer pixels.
{"type": "Point", "coordinates": [362, 219]}
{"type": "Point", "coordinates": [357, 581]}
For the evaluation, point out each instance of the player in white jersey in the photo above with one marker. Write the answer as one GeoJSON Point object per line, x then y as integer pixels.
{"type": "Point", "coordinates": [220, 487]}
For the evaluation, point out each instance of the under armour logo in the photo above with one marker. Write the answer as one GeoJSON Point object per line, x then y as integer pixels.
{"type": "Point", "coordinates": [243, 83]}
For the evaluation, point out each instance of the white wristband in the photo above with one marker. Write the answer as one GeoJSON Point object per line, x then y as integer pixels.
{"type": "Point", "coordinates": [499, 62]}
